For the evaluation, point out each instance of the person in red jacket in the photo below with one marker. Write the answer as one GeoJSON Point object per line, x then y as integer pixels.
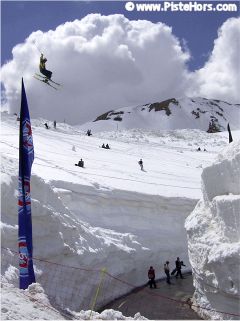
{"type": "Point", "coordinates": [151, 276]}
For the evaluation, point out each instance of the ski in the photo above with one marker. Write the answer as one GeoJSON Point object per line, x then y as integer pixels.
{"type": "Point", "coordinates": [47, 83]}
{"type": "Point", "coordinates": [38, 75]}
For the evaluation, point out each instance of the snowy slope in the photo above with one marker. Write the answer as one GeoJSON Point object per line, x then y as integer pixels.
{"type": "Point", "coordinates": [214, 237]}
{"type": "Point", "coordinates": [109, 214]}
{"type": "Point", "coordinates": [33, 304]}
{"type": "Point", "coordinates": [19, 304]}
{"type": "Point", "coordinates": [171, 114]}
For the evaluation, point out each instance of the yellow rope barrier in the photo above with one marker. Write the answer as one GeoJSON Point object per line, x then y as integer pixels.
{"type": "Point", "coordinates": [103, 271]}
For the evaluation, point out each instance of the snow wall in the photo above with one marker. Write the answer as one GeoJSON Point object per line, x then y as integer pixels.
{"type": "Point", "coordinates": [78, 230]}
{"type": "Point", "coordinates": [213, 230]}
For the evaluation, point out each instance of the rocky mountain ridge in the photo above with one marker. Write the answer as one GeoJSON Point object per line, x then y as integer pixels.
{"type": "Point", "coordinates": [210, 115]}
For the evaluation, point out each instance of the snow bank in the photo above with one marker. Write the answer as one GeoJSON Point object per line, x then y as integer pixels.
{"type": "Point", "coordinates": [108, 314]}
{"type": "Point", "coordinates": [30, 304]}
{"type": "Point", "coordinates": [213, 230]}
{"type": "Point", "coordinates": [77, 226]}
{"type": "Point", "coordinates": [33, 304]}
{"type": "Point", "coordinates": [108, 215]}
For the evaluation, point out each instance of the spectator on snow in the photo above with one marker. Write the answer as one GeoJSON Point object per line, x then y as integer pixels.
{"type": "Point", "coordinates": [204, 150]}
{"type": "Point", "coordinates": [167, 271]}
{"type": "Point", "coordinates": [46, 126]}
{"type": "Point", "coordinates": [199, 149]}
{"type": "Point", "coordinates": [141, 164]}
{"type": "Point", "coordinates": [106, 147]}
{"type": "Point", "coordinates": [179, 265]}
{"type": "Point", "coordinates": [80, 163]}
{"type": "Point", "coordinates": [55, 124]}
{"type": "Point", "coordinates": [151, 276]}
{"type": "Point", "coordinates": [89, 132]}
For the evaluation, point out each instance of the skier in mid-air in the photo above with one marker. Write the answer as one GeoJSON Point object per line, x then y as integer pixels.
{"type": "Point", "coordinates": [45, 75]}
{"type": "Point", "coordinates": [43, 70]}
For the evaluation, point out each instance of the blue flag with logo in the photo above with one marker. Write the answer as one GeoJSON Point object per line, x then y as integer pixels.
{"type": "Point", "coordinates": [26, 156]}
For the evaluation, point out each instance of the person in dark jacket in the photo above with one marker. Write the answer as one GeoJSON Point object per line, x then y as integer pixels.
{"type": "Point", "coordinates": [46, 126]}
{"type": "Point", "coordinates": [179, 265]}
{"type": "Point", "coordinates": [151, 276]}
{"type": "Point", "coordinates": [80, 163]}
{"type": "Point", "coordinates": [141, 164]}
{"type": "Point", "coordinates": [107, 146]}
{"type": "Point", "coordinates": [167, 271]}
{"type": "Point", "coordinates": [89, 133]}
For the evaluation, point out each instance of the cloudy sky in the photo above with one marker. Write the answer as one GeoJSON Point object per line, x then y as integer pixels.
{"type": "Point", "coordinates": [106, 57]}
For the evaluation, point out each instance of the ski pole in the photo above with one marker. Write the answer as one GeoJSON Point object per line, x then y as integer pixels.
{"type": "Point", "coordinates": [37, 47]}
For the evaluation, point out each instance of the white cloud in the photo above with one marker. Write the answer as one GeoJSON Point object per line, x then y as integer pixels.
{"type": "Point", "coordinates": [220, 76]}
{"type": "Point", "coordinates": [103, 62]}
{"type": "Point", "coordinates": [107, 62]}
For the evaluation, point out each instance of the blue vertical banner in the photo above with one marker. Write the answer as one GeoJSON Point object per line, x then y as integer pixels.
{"type": "Point", "coordinates": [26, 157]}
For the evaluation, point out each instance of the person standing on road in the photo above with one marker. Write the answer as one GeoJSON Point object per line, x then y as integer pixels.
{"type": "Point", "coordinates": [167, 271]}
{"type": "Point", "coordinates": [151, 276]}
{"type": "Point", "coordinates": [179, 265]}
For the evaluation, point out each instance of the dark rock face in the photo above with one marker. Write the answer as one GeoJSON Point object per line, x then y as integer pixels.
{"type": "Point", "coordinates": [164, 105]}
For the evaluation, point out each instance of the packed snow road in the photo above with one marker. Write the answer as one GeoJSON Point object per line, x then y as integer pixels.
{"type": "Point", "coordinates": [167, 302]}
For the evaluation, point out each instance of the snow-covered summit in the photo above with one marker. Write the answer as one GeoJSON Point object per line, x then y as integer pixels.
{"type": "Point", "coordinates": [171, 114]}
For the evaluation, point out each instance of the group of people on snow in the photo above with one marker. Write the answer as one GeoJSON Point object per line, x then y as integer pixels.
{"type": "Point", "coordinates": [54, 125]}
{"type": "Point", "coordinates": [199, 149]}
{"type": "Point", "coordinates": [105, 146]}
{"type": "Point", "coordinates": [81, 162]}
{"type": "Point", "coordinates": [177, 270]}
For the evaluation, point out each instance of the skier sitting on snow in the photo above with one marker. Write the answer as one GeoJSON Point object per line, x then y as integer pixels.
{"type": "Point", "coordinates": [80, 163]}
{"type": "Point", "coordinates": [43, 70]}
